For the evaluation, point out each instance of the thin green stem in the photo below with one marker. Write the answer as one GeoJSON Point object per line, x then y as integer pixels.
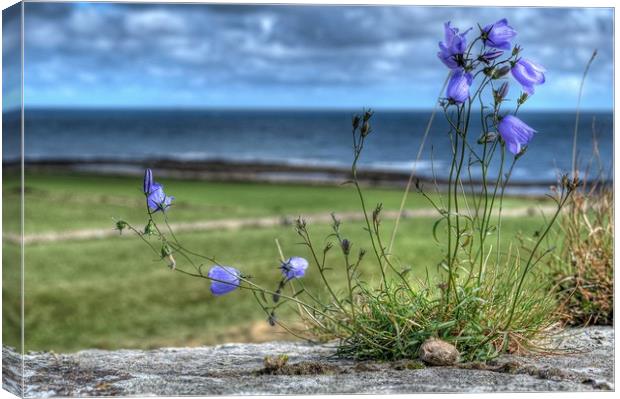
{"type": "Point", "coordinates": [501, 206]}
{"type": "Point", "coordinates": [489, 212]}
{"type": "Point", "coordinates": [531, 257]}
{"type": "Point", "coordinates": [358, 151]}
{"type": "Point", "coordinates": [583, 79]}
{"type": "Point", "coordinates": [308, 243]}
{"type": "Point", "coordinates": [414, 168]}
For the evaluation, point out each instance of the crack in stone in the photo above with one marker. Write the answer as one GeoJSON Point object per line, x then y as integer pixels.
{"type": "Point", "coordinates": [543, 373]}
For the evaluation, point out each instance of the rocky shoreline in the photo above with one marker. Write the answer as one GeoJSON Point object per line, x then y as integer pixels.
{"type": "Point", "coordinates": [262, 172]}
{"type": "Point", "coordinates": [584, 362]}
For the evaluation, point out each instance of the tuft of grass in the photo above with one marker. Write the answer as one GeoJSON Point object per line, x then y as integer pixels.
{"type": "Point", "coordinates": [583, 269]}
{"type": "Point", "coordinates": [393, 321]}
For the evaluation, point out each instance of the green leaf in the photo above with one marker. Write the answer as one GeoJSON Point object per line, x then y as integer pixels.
{"type": "Point", "coordinates": [435, 226]}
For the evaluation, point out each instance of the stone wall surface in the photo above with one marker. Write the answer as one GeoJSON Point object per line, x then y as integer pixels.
{"type": "Point", "coordinates": [584, 362]}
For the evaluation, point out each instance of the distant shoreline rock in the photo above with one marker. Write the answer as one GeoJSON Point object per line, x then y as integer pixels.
{"type": "Point", "coordinates": [264, 172]}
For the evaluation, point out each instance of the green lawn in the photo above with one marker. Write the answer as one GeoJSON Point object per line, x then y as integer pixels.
{"type": "Point", "coordinates": [113, 293]}
{"type": "Point", "coordinates": [56, 202]}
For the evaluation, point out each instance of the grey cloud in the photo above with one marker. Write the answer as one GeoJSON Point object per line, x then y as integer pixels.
{"type": "Point", "coordinates": [289, 45]}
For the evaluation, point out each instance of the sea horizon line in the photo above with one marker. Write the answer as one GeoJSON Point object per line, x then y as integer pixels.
{"type": "Point", "coordinates": [271, 109]}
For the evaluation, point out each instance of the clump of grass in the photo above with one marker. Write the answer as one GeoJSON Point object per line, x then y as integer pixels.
{"type": "Point", "coordinates": [390, 322]}
{"type": "Point", "coordinates": [583, 268]}
{"type": "Point", "coordinates": [586, 283]}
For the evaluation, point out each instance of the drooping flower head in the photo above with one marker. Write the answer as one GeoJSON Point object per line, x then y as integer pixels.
{"type": "Point", "coordinates": [457, 91]}
{"type": "Point", "coordinates": [529, 74]}
{"type": "Point", "coordinates": [226, 279]}
{"type": "Point", "coordinates": [498, 35]}
{"type": "Point", "coordinates": [453, 47]}
{"type": "Point", "coordinates": [294, 267]}
{"type": "Point", "coordinates": [157, 200]}
{"type": "Point", "coordinates": [148, 180]}
{"type": "Point", "coordinates": [515, 133]}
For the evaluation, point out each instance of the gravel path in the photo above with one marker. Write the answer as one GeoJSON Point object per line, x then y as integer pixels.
{"type": "Point", "coordinates": [262, 222]}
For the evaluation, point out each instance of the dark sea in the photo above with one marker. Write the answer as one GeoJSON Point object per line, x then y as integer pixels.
{"type": "Point", "coordinates": [321, 138]}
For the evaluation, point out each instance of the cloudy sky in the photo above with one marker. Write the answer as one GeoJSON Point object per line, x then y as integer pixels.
{"type": "Point", "coordinates": [122, 55]}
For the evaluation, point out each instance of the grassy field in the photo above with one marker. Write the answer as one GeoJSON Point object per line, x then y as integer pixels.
{"type": "Point", "coordinates": [113, 293]}
{"type": "Point", "coordinates": [57, 202]}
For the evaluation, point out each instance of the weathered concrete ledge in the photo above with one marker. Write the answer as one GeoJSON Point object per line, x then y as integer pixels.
{"type": "Point", "coordinates": [585, 363]}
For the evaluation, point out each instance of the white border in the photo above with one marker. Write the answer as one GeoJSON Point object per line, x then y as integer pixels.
{"type": "Point", "coordinates": [505, 3]}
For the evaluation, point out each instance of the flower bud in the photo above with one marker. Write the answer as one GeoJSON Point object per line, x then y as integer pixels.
{"type": "Point", "coordinates": [300, 224]}
{"type": "Point", "coordinates": [346, 246]}
{"type": "Point", "coordinates": [377, 213]}
{"type": "Point", "coordinates": [278, 291]}
{"type": "Point", "coordinates": [276, 296]}
{"type": "Point", "coordinates": [367, 115]}
{"type": "Point", "coordinates": [564, 180]}
{"type": "Point", "coordinates": [150, 229]}
{"type": "Point", "coordinates": [165, 250]}
{"type": "Point", "coordinates": [570, 183]}
{"type": "Point", "coordinates": [356, 121]}
{"type": "Point", "coordinates": [121, 225]}
{"type": "Point", "coordinates": [501, 72]}
{"type": "Point", "coordinates": [166, 253]}
{"type": "Point", "coordinates": [490, 55]}
{"type": "Point", "coordinates": [503, 90]}
{"type": "Point", "coordinates": [521, 152]}
{"type": "Point", "coordinates": [148, 181]}
{"type": "Point", "coordinates": [335, 221]}
{"type": "Point", "coordinates": [487, 138]}
{"type": "Point", "coordinates": [365, 129]}
{"type": "Point", "coordinates": [272, 319]}
{"type": "Point", "coordinates": [500, 93]}
{"type": "Point", "coordinates": [523, 98]}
